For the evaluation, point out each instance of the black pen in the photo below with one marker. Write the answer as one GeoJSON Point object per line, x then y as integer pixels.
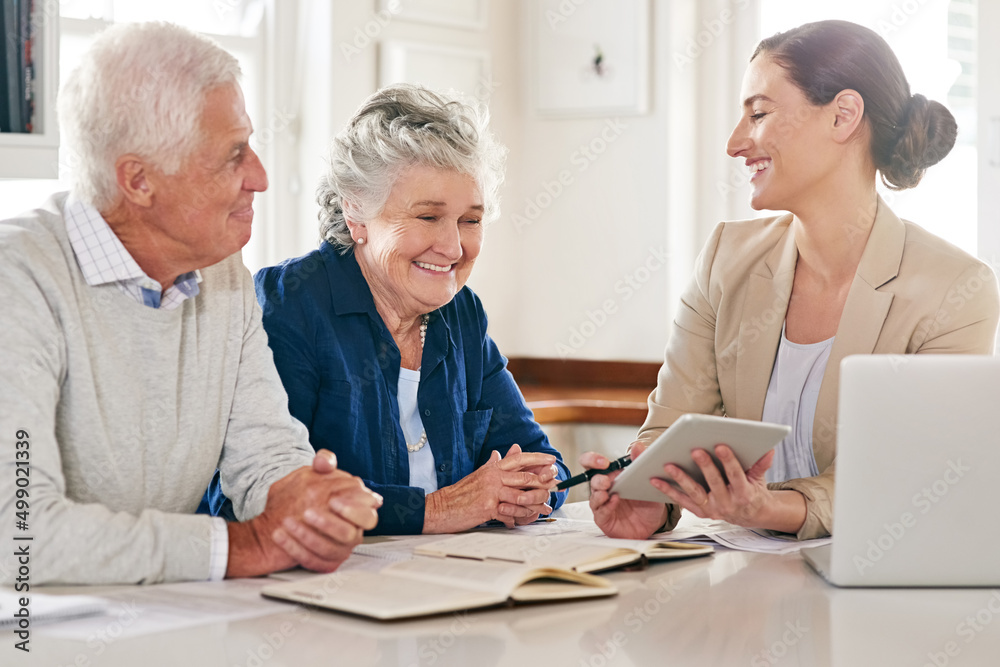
{"type": "Point", "coordinates": [585, 476]}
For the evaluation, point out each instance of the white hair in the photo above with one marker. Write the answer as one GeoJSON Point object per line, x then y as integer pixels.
{"type": "Point", "coordinates": [399, 126]}
{"type": "Point", "coordinates": [139, 89]}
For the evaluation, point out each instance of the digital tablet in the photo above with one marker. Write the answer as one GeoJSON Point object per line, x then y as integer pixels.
{"type": "Point", "coordinates": [749, 441]}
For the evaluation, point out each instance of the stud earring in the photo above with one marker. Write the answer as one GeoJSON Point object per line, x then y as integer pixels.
{"type": "Point", "coordinates": [361, 240]}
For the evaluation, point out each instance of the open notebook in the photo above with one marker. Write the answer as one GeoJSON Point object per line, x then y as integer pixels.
{"type": "Point", "coordinates": [479, 569]}
{"type": "Point", "coordinates": [579, 554]}
{"type": "Point", "coordinates": [425, 585]}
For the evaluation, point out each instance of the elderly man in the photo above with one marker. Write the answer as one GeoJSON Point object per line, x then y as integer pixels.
{"type": "Point", "coordinates": [132, 354]}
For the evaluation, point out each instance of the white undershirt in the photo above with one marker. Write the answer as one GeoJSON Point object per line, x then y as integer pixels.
{"type": "Point", "coordinates": [791, 400]}
{"type": "Point", "coordinates": [422, 471]}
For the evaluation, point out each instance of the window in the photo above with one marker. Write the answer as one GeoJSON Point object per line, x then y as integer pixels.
{"type": "Point", "coordinates": [935, 41]}
{"type": "Point", "coordinates": [238, 25]}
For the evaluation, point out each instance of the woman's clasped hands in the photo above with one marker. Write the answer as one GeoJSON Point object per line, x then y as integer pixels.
{"type": "Point", "coordinates": [513, 489]}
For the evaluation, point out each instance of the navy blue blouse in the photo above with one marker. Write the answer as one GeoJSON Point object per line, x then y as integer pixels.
{"type": "Point", "coordinates": [340, 367]}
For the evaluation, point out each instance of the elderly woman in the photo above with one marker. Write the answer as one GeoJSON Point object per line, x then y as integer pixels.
{"type": "Point", "coordinates": [382, 348]}
{"type": "Point", "coordinates": [777, 303]}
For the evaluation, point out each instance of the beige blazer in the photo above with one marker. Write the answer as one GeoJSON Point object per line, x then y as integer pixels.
{"type": "Point", "coordinates": [912, 293]}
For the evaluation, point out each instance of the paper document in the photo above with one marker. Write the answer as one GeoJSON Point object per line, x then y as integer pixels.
{"type": "Point", "coordinates": [45, 608]}
{"type": "Point", "coordinates": [141, 610]}
{"type": "Point", "coordinates": [706, 531]}
{"type": "Point", "coordinates": [747, 539]}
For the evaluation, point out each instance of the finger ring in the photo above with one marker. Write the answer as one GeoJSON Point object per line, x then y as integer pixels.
{"type": "Point", "coordinates": [703, 502]}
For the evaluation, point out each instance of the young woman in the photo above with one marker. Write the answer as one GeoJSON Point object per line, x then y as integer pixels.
{"type": "Point", "coordinates": [776, 303]}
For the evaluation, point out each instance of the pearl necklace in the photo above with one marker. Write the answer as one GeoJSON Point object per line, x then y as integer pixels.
{"type": "Point", "coordinates": [419, 444]}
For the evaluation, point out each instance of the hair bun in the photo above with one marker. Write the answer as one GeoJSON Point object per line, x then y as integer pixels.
{"type": "Point", "coordinates": [927, 133]}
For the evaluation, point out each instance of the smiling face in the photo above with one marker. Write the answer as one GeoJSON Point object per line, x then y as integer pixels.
{"type": "Point", "coordinates": [783, 139]}
{"type": "Point", "coordinates": [205, 210]}
{"type": "Point", "coordinates": [419, 251]}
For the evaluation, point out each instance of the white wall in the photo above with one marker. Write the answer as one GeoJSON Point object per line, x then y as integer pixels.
{"type": "Point", "coordinates": [586, 275]}
{"type": "Point", "coordinates": [571, 249]}
{"type": "Point", "coordinates": [989, 137]}
{"type": "Point", "coordinates": [585, 278]}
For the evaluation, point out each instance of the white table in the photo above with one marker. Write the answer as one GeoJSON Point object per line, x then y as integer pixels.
{"type": "Point", "coordinates": [734, 608]}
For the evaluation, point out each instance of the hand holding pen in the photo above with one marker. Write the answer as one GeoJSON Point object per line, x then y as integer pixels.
{"type": "Point", "coordinates": [631, 519]}
{"type": "Point", "coordinates": [585, 476]}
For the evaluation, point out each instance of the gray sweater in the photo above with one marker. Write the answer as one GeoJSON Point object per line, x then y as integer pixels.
{"type": "Point", "coordinates": [128, 411]}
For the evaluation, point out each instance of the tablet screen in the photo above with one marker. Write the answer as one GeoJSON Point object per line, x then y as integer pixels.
{"type": "Point", "coordinates": [749, 441]}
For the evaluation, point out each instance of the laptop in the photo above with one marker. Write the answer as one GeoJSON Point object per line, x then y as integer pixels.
{"type": "Point", "coordinates": [918, 473]}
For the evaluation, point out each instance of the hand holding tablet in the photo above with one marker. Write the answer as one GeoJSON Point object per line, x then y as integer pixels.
{"type": "Point", "coordinates": [749, 440]}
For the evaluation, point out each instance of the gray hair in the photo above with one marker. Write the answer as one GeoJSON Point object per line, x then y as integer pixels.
{"type": "Point", "coordinates": [399, 126]}
{"type": "Point", "coordinates": [139, 89]}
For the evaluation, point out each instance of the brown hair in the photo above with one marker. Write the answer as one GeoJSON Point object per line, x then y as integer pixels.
{"type": "Point", "coordinates": [909, 133]}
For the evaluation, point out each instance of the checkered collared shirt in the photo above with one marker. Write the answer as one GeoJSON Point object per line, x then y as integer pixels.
{"type": "Point", "coordinates": [103, 259]}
